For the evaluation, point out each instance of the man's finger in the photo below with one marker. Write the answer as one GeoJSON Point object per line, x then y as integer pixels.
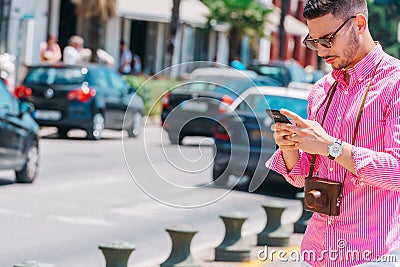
{"type": "Point", "coordinates": [289, 147]}
{"type": "Point", "coordinates": [296, 118]}
{"type": "Point", "coordinates": [288, 128]}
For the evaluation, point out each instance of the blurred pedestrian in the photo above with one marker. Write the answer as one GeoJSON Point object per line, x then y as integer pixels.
{"type": "Point", "coordinates": [237, 64]}
{"type": "Point", "coordinates": [73, 52]}
{"type": "Point", "coordinates": [137, 64]}
{"type": "Point", "coordinates": [50, 51]}
{"type": "Point", "coordinates": [125, 59]}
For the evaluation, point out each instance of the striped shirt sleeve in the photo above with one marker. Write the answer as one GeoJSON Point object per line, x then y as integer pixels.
{"type": "Point", "coordinates": [297, 175]}
{"type": "Point", "coordinates": [382, 168]}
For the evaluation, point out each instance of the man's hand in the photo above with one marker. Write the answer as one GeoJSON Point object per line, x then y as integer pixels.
{"type": "Point", "coordinates": [306, 135]}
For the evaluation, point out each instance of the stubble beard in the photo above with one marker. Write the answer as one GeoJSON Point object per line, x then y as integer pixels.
{"type": "Point", "coordinates": [349, 52]}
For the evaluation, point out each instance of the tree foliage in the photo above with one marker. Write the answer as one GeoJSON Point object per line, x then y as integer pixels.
{"type": "Point", "coordinates": [383, 23]}
{"type": "Point", "coordinates": [242, 16]}
{"type": "Point", "coordinates": [104, 9]}
{"type": "Point", "coordinates": [97, 12]}
{"type": "Point", "coordinates": [247, 15]}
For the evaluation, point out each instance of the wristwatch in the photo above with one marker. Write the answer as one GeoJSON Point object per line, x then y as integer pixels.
{"type": "Point", "coordinates": [335, 149]}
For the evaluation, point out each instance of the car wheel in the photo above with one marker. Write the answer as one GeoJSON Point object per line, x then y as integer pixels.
{"type": "Point", "coordinates": [176, 139]}
{"type": "Point", "coordinates": [220, 176]}
{"type": "Point", "coordinates": [96, 131]}
{"type": "Point", "coordinates": [63, 132]}
{"type": "Point", "coordinates": [28, 173]}
{"type": "Point", "coordinates": [136, 128]}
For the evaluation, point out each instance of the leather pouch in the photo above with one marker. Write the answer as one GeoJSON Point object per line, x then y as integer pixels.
{"type": "Point", "coordinates": [322, 196]}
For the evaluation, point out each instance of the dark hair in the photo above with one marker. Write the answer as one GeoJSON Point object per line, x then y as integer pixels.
{"type": "Point", "coordinates": [50, 36]}
{"type": "Point", "coordinates": [342, 9]}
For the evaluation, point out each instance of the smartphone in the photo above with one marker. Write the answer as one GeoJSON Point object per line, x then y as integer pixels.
{"type": "Point", "coordinates": [277, 116]}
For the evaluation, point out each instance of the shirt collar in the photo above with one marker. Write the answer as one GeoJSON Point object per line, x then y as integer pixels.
{"type": "Point", "coordinates": [363, 68]}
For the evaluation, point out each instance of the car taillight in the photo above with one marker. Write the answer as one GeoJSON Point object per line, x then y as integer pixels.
{"type": "Point", "coordinates": [165, 100]}
{"type": "Point", "coordinates": [23, 92]}
{"type": "Point", "coordinates": [226, 101]}
{"type": "Point", "coordinates": [219, 132]}
{"type": "Point", "coordinates": [82, 94]}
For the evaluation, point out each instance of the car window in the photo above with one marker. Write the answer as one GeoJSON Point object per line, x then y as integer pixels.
{"type": "Point", "coordinates": [221, 85]}
{"type": "Point", "coordinates": [98, 77]}
{"type": "Point", "coordinates": [259, 103]}
{"type": "Point", "coordinates": [267, 81]}
{"type": "Point", "coordinates": [54, 76]}
{"type": "Point", "coordinates": [117, 83]}
{"type": "Point", "coordinates": [7, 101]}
{"type": "Point", "coordinates": [278, 73]}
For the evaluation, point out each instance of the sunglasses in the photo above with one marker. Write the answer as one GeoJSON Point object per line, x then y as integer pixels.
{"type": "Point", "coordinates": [312, 43]}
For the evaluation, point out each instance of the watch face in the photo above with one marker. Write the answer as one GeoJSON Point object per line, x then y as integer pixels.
{"type": "Point", "coordinates": [335, 149]}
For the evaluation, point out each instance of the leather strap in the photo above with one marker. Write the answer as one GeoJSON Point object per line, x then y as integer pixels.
{"type": "Point", "coordinates": [329, 97]}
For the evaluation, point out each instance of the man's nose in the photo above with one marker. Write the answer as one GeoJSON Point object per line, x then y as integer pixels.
{"type": "Point", "coordinates": [322, 50]}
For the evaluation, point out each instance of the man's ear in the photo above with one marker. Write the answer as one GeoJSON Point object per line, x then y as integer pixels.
{"type": "Point", "coordinates": [361, 22]}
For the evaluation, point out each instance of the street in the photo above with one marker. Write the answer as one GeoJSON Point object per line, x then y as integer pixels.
{"type": "Point", "coordinates": [91, 192]}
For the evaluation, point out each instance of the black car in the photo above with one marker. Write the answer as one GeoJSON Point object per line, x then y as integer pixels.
{"type": "Point", "coordinates": [244, 139]}
{"type": "Point", "coordinates": [91, 98]}
{"type": "Point", "coordinates": [193, 108]}
{"type": "Point", "coordinates": [19, 137]}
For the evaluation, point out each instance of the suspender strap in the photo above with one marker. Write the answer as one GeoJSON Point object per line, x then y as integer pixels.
{"type": "Point", "coordinates": [329, 97]}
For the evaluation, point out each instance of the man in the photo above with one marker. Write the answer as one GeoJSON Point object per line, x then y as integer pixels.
{"type": "Point", "coordinates": [367, 228]}
{"type": "Point", "coordinates": [50, 51]}
{"type": "Point", "coordinates": [73, 53]}
{"type": "Point", "coordinates": [125, 63]}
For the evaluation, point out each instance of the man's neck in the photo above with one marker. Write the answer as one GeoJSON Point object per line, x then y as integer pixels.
{"type": "Point", "coordinates": [363, 52]}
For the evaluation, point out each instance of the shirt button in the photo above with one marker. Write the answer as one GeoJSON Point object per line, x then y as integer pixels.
{"type": "Point", "coordinates": [329, 222]}
{"type": "Point", "coordinates": [339, 118]}
{"type": "Point", "coordinates": [331, 169]}
{"type": "Point", "coordinates": [346, 92]}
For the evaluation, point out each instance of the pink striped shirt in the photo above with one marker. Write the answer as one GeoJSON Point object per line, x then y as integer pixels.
{"type": "Point", "coordinates": [369, 220]}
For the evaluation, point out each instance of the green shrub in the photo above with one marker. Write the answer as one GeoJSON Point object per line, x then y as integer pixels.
{"type": "Point", "coordinates": [151, 90]}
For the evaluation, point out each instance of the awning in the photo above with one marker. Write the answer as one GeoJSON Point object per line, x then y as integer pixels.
{"type": "Point", "coordinates": [192, 12]}
{"type": "Point", "coordinates": [292, 25]}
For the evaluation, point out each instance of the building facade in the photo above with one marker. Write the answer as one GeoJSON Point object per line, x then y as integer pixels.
{"type": "Point", "coordinates": [295, 30]}
{"type": "Point", "coordinates": [144, 26]}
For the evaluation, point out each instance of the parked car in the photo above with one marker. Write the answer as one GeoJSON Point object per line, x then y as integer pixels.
{"type": "Point", "coordinates": [244, 139]}
{"type": "Point", "coordinates": [19, 137]}
{"type": "Point", "coordinates": [285, 72]}
{"type": "Point", "coordinates": [192, 109]}
{"type": "Point", "coordinates": [91, 98]}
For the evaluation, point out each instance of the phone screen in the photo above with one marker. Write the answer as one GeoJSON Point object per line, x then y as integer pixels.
{"type": "Point", "coordinates": [277, 116]}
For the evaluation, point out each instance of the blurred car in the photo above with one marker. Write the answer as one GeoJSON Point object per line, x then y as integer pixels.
{"type": "Point", "coordinates": [19, 137]}
{"type": "Point", "coordinates": [193, 108]}
{"type": "Point", "coordinates": [285, 72]}
{"type": "Point", "coordinates": [244, 139]}
{"type": "Point", "coordinates": [91, 98]}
